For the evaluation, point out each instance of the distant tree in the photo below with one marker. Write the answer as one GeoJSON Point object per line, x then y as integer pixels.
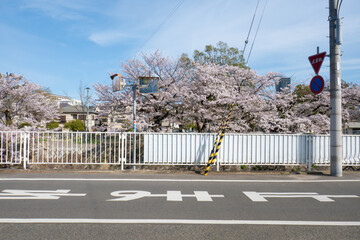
{"type": "Point", "coordinates": [75, 125]}
{"type": "Point", "coordinates": [221, 54]}
{"type": "Point", "coordinates": [22, 103]}
{"type": "Point", "coordinates": [52, 125]}
{"type": "Point", "coordinates": [301, 90]}
{"type": "Point", "coordinates": [84, 101]}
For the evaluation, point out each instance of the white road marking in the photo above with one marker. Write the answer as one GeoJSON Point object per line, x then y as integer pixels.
{"type": "Point", "coordinates": [261, 196]}
{"type": "Point", "coordinates": [175, 196]}
{"type": "Point", "coordinates": [178, 221]}
{"type": "Point", "coordinates": [11, 194]}
{"type": "Point", "coordinates": [180, 180]}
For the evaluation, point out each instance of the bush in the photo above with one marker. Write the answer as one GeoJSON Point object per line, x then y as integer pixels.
{"type": "Point", "coordinates": [24, 124]}
{"type": "Point", "coordinates": [75, 125]}
{"type": "Point", "coordinates": [52, 125]}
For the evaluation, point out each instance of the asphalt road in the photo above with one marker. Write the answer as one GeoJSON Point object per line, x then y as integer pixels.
{"type": "Point", "coordinates": [178, 206]}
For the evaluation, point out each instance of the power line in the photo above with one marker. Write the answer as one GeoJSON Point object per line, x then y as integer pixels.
{"type": "Point", "coordinates": [171, 13]}
{"type": "Point", "coordinates": [339, 6]}
{"type": "Point", "coordinates": [252, 21]}
{"type": "Point", "coordinates": [256, 32]}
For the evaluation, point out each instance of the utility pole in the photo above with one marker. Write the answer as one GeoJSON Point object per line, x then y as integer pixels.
{"type": "Point", "coordinates": [335, 89]}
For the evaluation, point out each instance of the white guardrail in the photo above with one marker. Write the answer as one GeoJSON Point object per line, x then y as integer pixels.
{"type": "Point", "coordinates": [170, 149]}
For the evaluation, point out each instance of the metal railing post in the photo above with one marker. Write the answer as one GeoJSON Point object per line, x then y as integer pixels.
{"type": "Point", "coordinates": [24, 149]}
{"type": "Point", "coordinates": [309, 160]}
{"type": "Point", "coordinates": [122, 151]}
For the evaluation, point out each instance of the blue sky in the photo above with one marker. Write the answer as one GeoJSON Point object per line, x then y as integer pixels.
{"type": "Point", "coordinates": [60, 43]}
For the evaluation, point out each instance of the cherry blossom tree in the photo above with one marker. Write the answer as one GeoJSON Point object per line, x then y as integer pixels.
{"type": "Point", "coordinates": [22, 103]}
{"type": "Point", "coordinates": [301, 111]}
{"type": "Point", "coordinates": [351, 102]}
{"type": "Point", "coordinates": [199, 96]}
{"type": "Point", "coordinates": [213, 88]}
{"type": "Point", "coordinates": [152, 109]}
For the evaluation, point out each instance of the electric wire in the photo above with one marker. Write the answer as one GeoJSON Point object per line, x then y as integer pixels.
{"type": "Point", "coordinates": [257, 30]}
{"type": "Point", "coordinates": [171, 13]}
{"type": "Point", "coordinates": [339, 5]}
{"type": "Point", "coordinates": [252, 21]}
{"type": "Point", "coordinates": [338, 8]}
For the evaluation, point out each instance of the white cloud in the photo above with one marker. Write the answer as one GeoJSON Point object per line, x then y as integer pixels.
{"type": "Point", "coordinates": [350, 64]}
{"type": "Point", "coordinates": [62, 9]}
{"type": "Point", "coordinates": [110, 37]}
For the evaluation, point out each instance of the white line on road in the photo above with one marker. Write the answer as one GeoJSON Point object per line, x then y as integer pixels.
{"type": "Point", "coordinates": [179, 180]}
{"type": "Point", "coordinates": [178, 221]}
{"type": "Point", "coordinates": [12, 194]}
{"type": "Point", "coordinates": [261, 196]}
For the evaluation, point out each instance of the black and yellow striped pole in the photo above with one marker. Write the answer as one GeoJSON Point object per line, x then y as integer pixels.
{"type": "Point", "coordinates": [213, 155]}
{"type": "Point", "coordinates": [215, 144]}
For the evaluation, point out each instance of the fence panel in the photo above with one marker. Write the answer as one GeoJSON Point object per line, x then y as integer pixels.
{"type": "Point", "coordinates": [13, 148]}
{"type": "Point", "coordinates": [170, 149]}
{"type": "Point", "coordinates": [177, 148]}
{"type": "Point", "coordinates": [75, 148]}
{"type": "Point", "coordinates": [320, 153]}
{"type": "Point", "coordinates": [264, 150]}
{"type": "Point", "coordinates": [351, 150]}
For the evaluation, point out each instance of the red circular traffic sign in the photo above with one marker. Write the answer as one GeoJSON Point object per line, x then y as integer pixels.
{"type": "Point", "coordinates": [317, 84]}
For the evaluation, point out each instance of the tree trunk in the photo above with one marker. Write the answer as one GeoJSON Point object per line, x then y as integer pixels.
{"type": "Point", "coordinates": [8, 119]}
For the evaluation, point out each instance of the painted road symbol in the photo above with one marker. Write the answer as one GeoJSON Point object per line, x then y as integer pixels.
{"type": "Point", "coordinates": [316, 61]}
{"type": "Point", "coordinates": [37, 194]}
{"type": "Point", "coordinates": [175, 196]}
{"type": "Point", "coordinates": [261, 196]}
{"type": "Point", "coordinates": [317, 84]}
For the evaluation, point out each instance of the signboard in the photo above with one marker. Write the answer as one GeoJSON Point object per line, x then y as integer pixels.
{"type": "Point", "coordinates": [317, 84]}
{"type": "Point", "coordinates": [316, 61]}
{"type": "Point", "coordinates": [116, 82]}
{"type": "Point", "coordinates": [148, 84]}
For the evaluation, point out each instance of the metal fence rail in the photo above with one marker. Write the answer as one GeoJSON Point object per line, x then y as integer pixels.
{"type": "Point", "coordinates": [265, 150]}
{"type": "Point", "coordinates": [170, 149]}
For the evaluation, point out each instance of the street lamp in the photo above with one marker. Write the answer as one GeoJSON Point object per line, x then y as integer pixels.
{"type": "Point", "coordinates": [87, 108]}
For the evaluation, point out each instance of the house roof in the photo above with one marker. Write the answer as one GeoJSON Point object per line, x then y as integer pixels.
{"type": "Point", "coordinates": [77, 109]}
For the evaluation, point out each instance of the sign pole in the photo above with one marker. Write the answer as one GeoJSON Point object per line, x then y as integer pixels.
{"type": "Point", "coordinates": [146, 85]}
{"type": "Point", "coordinates": [335, 90]}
